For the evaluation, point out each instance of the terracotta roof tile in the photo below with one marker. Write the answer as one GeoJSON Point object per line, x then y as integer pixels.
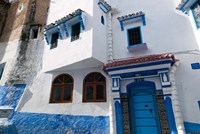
{"type": "Point", "coordinates": [135, 60]}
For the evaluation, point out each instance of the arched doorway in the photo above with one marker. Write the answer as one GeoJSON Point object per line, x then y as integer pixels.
{"type": "Point", "coordinates": [143, 111]}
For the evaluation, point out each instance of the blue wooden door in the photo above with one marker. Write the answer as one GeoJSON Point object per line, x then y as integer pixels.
{"type": "Point", "coordinates": [143, 112]}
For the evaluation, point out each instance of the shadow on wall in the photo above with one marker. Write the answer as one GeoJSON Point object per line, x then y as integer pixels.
{"type": "Point", "coordinates": [4, 7]}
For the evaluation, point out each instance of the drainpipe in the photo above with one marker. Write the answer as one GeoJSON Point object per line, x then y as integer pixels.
{"type": "Point", "coordinates": [109, 38]}
{"type": "Point", "coordinates": [175, 100]}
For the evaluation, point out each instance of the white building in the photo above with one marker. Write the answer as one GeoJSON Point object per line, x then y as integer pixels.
{"type": "Point", "coordinates": [109, 67]}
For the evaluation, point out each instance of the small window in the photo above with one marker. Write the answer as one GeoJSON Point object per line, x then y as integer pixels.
{"type": "Point", "coordinates": [196, 13]}
{"type": "Point", "coordinates": [134, 36]}
{"type": "Point", "coordinates": [102, 20]}
{"type": "Point", "coordinates": [199, 104]}
{"type": "Point", "coordinates": [54, 40]}
{"type": "Point", "coordinates": [94, 88]}
{"type": "Point", "coordinates": [62, 89]}
{"type": "Point", "coordinates": [76, 29]}
{"type": "Point", "coordinates": [34, 32]}
{"type": "Point", "coordinates": [1, 69]}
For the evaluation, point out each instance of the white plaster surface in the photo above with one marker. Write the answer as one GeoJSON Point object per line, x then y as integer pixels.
{"type": "Point", "coordinates": [36, 99]}
{"type": "Point", "coordinates": [166, 29]}
{"type": "Point", "coordinates": [8, 53]}
{"type": "Point", "coordinates": [187, 83]}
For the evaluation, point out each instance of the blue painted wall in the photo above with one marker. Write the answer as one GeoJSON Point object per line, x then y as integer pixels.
{"type": "Point", "coordinates": [192, 127]}
{"type": "Point", "coordinates": [38, 123]}
{"type": "Point", "coordinates": [16, 93]}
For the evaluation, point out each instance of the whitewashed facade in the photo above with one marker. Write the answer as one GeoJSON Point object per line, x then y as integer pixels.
{"type": "Point", "coordinates": [162, 67]}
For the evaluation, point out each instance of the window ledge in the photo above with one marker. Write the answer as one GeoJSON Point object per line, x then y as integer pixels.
{"type": "Point", "coordinates": [141, 46]}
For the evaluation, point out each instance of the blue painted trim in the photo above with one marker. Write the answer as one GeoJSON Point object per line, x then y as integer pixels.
{"type": "Point", "coordinates": [118, 114]}
{"type": "Point", "coordinates": [142, 73]}
{"type": "Point", "coordinates": [167, 95]}
{"type": "Point", "coordinates": [192, 127]}
{"type": "Point", "coordinates": [65, 28]}
{"type": "Point", "coordinates": [46, 38]}
{"type": "Point", "coordinates": [181, 8]}
{"type": "Point", "coordinates": [59, 32]}
{"type": "Point", "coordinates": [166, 86]}
{"type": "Point", "coordinates": [166, 74]}
{"type": "Point", "coordinates": [105, 11]}
{"type": "Point", "coordinates": [195, 66]}
{"type": "Point", "coordinates": [115, 91]}
{"type": "Point", "coordinates": [135, 85]}
{"type": "Point", "coordinates": [117, 82]}
{"type": "Point", "coordinates": [81, 23]}
{"type": "Point", "coordinates": [136, 45]}
{"type": "Point", "coordinates": [168, 61]}
{"type": "Point", "coordinates": [170, 115]}
{"type": "Point", "coordinates": [142, 17]}
{"type": "Point", "coordinates": [116, 98]}
{"type": "Point", "coordinates": [62, 22]}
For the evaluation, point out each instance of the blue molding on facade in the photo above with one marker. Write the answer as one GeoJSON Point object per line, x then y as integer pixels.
{"type": "Point", "coordinates": [141, 73]}
{"type": "Point", "coordinates": [104, 6]}
{"type": "Point", "coordinates": [195, 66]}
{"type": "Point", "coordinates": [139, 84]}
{"type": "Point", "coordinates": [81, 22]}
{"type": "Point", "coordinates": [142, 16]}
{"type": "Point", "coordinates": [165, 86]}
{"type": "Point", "coordinates": [59, 32]}
{"type": "Point", "coordinates": [46, 38]}
{"type": "Point", "coordinates": [39, 123]}
{"type": "Point", "coordinates": [60, 23]}
{"type": "Point", "coordinates": [170, 115]}
{"type": "Point", "coordinates": [184, 4]}
{"type": "Point", "coordinates": [163, 75]}
{"type": "Point", "coordinates": [115, 83]}
{"type": "Point", "coordinates": [118, 114]}
{"type": "Point", "coordinates": [116, 98]}
{"type": "Point", "coordinates": [63, 22]}
{"type": "Point", "coordinates": [65, 29]}
{"type": "Point", "coordinates": [114, 91]}
{"type": "Point", "coordinates": [167, 95]}
{"type": "Point", "coordinates": [192, 127]}
{"type": "Point", "coordinates": [168, 61]}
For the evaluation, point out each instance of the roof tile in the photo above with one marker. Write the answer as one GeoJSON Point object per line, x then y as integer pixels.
{"type": "Point", "coordinates": [135, 60]}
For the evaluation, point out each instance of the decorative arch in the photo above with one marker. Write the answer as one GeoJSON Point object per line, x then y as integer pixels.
{"type": "Point", "coordinates": [62, 89]}
{"type": "Point", "coordinates": [140, 85]}
{"type": "Point", "coordinates": [94, 88]}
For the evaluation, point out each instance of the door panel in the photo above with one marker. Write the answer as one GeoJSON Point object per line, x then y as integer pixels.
{"type": "Point", "coordinates": [143, 112]}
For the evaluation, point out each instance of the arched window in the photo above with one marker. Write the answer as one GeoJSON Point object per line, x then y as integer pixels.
{"type": "Point", "coordinates": [62, 89]}
{"type": "Point", "coordinates": [94, 88]}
